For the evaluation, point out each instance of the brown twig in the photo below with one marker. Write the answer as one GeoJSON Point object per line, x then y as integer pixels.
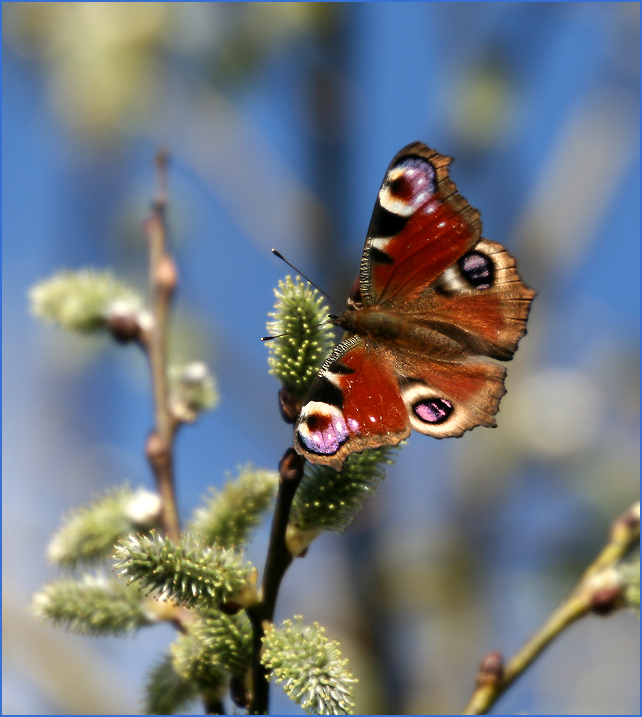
{"type": "Point", "coordinates": [213, 705]}
{"type": "Point", "coordinates": [277, 562]}
{"type": "Point", "coordinates": [159, 448]}
{"type": "Point", "coordinates": [598, 591]}
{"type": "Point", "coordinates": [162, 280]}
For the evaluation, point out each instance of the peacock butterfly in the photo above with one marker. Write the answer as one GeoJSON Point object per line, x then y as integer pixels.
{"type": "Point", "coordinates": [432, 301]}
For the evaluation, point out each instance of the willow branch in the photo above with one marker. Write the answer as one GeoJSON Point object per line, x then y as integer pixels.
{"type": "Point", "coordinates": [276, 564]}
{"type": "Point", "coordinates": [162, 280]}
{"type": "Point", "coordinates": [598, 591]}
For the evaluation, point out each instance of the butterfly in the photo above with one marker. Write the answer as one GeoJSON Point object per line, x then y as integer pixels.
{"type": "Point", "coordinates": [432, 304]}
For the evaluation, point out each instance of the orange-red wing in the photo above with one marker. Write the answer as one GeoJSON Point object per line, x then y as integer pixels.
{"type": "Point", "coordinates": [355, 403]}
{"type": "Point", "coordinates": [420, 226]}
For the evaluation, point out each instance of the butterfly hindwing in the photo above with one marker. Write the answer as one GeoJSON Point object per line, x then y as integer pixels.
{"type": "Point", "coordinates": [353, 404]}
{"type": "Point", "coordinates": [444, 399]}
{"type": "Point", "coordinates": [366, 397]}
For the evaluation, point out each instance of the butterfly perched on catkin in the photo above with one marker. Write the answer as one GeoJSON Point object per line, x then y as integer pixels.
{"type": "Point", "coordinates": [432, 304]}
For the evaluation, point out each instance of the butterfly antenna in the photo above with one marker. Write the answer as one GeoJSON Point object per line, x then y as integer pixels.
{"type": "Point", "coordinates": [278, 253]}
{"type": "Point", "coordinates": [292, 333]}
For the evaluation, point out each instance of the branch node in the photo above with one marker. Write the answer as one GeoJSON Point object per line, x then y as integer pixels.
{"type": "Point", "coordinates": [123, 327]}
{"type": "Point", "coordinates": [166, 275]}
{"type": "Point", "coordinates": [157, 450]}
{"type": "Point", "coordinates": [230, 607]}
{"type": "Point", "coordinates": [291, 466]}
{"type": "Point", "coordinates": [239, 692]}
{"type": "Point", "coordinates": [289, 405]}
{"type": "Point", "coordinates": [607, 599]}
{"type": "Point", "coordinates": [491, 670]}
{"type": "Point", "coordinates": [629, 520]}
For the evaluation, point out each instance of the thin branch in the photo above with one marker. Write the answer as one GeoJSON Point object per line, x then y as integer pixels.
{"type": "Point", "coordinates": [278, 556]}
{"type": "Point", "coordinates": [597, 591]}
{"type": "Point", "coordinates": [277, 562]}
{"type": "Point", "coordinates": [162, 279]}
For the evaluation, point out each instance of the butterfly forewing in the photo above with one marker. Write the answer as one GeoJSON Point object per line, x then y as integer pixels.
{"type": "Point", "coordinates": [420, 227]}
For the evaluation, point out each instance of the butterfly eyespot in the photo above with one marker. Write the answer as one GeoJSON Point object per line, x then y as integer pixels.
{"type": "Point", "coordinates": [477, 269]}
{"type": "Point", "coordinates": [316, 423]}
{"type": "Point", "coordinates": [434, 412]}
{"type": "Point", "coordinates": [396, 186]}
{"type": "Point", "coordinates": [409, 186]}
{"type": "Point", "coordinates": [322, 428]}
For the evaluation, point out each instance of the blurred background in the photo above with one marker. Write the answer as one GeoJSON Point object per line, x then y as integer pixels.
{"type": "Point", "coordinates": [280, 119]}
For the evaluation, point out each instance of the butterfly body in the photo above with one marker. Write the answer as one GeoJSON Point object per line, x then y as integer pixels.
{"type": "Point", "coordinates": [433, 302]}
{"type": "Point", "coordinates": [386, 327]}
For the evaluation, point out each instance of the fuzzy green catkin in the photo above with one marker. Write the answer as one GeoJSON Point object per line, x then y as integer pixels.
{"type": "Point", "coordinates": [189, 574]}
{"type": "Point", "coordinates": [309, 666]}
{"type": "Point", "coordinates": [166, 691]}
{"type": "Point", "coordinates": [82, 300]}
{"type": "Point", "coordinates": [194, 664]}
{"type": "Point", "coordinates": [300, 313]}
{"type": "Point", "coordinates": [215, 644]}
{"type": "Point", "coordinates": [88, 534]}
{"type": "Point", "coordinates": [192, 390]}
{"type": "Point", "coordinates": [329, 500]}
{"type": "Point", "coordinates": [229, 516]}
{"type": "Point", "coordinates": [93, 605]}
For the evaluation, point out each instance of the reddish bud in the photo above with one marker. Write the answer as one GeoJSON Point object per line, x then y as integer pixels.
{"type": "Point", "coordinates": [156, 449]}
{"type": "Point", "coordinates": [491, 669]}
{"type": "Point", "coordinates": [239, 692]}
{"type": "Point", "coordinates": [289, 405]}
{"type": "Point", "coordinates": [166, 274]}
{"type": "Point", "coordinates": [291, 466]}
{"type": "Point", "coordinates": [230, 607]}
{"type": "Point", "coordinates": [123, 327]}
{"type": "Point", "coordinates": [607, 599]}
{"type": "Point", "coordinates": [630, 519]}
